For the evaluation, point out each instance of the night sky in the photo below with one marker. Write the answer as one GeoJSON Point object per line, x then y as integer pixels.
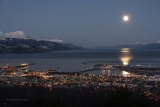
{"type": "Point", "coordinates": [86, 23]}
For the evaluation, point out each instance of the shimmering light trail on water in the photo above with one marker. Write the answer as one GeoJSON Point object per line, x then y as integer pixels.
{"type": "Point", "coordinates": [125, 56]}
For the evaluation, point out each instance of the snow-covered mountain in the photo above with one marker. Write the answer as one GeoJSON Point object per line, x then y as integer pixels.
{"type": "Point", "coordinates": [19, 42]}
{"type": "Point", "coordinates": [137, 45]}
{"type": "Point", "coordinates": [151, 45]}
{"type": "Point", "coordinates": [14, 35]}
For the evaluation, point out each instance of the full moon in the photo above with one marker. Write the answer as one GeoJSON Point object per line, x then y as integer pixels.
{"type": "Point", "coordinates": [125, 18]}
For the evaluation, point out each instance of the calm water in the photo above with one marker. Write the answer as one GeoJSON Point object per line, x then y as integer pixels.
{"type": "Point", "coordinates": [78, 60]}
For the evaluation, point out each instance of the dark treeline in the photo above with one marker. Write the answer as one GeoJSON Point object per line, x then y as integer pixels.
{"type": "Point", "coordinates": [37, 96]}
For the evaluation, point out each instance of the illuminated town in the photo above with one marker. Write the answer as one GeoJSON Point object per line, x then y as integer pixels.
{"type": "Point", "coordinates": [147, 84]}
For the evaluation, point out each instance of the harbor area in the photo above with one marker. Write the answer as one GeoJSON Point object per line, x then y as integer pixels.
{"type": "Point", "coordinates": [132, 78]}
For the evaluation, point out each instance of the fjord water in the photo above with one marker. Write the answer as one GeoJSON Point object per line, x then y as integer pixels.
{"type": "Point", "coordinates": [77, 60]}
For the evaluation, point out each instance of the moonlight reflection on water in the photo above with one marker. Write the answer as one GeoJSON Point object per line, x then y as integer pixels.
{"type": "Point", "coordinates": [125, 56]}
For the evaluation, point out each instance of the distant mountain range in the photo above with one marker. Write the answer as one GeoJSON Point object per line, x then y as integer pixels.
{"type": "Point", "coordinates": [19, 42]}
{"type": "Point", "coordinates": [137, 45]}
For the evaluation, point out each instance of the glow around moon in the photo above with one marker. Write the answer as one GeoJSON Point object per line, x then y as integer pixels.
{"type": "Point", "coordinates": [125, 18]}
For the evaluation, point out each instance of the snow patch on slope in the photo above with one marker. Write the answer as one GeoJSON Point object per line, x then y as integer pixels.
{"type": "Point", "coordinates": [2, 36]}
{"type": "Point", "coordinates": [54, 40]}
{"type": "Point", "coordinates": [158, 41]}
{"type": "Point", "coordinates": [17, 34]}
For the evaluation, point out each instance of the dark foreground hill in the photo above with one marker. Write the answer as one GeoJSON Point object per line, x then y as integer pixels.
{"type": "Point", "coordinates": [37, 96]}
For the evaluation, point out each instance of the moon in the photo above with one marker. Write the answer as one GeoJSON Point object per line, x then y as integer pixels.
{"type": "Point", "coordinates": [125, 18]}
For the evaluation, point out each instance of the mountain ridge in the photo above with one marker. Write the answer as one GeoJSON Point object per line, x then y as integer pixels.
{"type": "Point", "coordinates": [137, 45]}
{"type": "Point", "coordinates": [19, 42]}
